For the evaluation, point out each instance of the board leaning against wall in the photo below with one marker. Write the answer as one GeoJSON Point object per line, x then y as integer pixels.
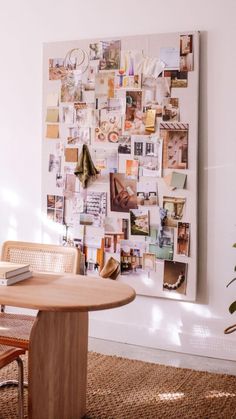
{"type": "Point", "coordinates": [128, 106]}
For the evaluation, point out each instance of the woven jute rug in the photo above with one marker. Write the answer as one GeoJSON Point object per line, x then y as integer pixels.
{"type": "Point", "coordinates": [119, 388]}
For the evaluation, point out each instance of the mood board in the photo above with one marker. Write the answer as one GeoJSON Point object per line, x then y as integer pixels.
{"type": "Point", "coordinates": [128, 106]}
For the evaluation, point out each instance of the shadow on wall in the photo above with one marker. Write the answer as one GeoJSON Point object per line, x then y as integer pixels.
{"type": "Point", "coordinates": [203, 291]}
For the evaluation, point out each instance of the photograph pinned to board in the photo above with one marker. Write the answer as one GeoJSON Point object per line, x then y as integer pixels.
{"type": "Point", "coordinates": [148, 151]}
{"type": "Point", "coordinates": [175, 209]}
{"type": "Point", "coordinates": [54, 164]}
{"type": "Point", "coordinates": [91, 74]}
{"type": "Point", "coordinates": [108, 126]}
{"type": "Point", "coordinates": [176, 180]}
{"type": "Point", "coordinates": [131, 257]}
{"type": "Point", "coordinates": [52, 115]}
{"type": "Point", "coordinates": [110, 55]}
{"type": "Point", "coordinates": [71, 87]}
{"type": "Point", "coordinates": [74, 236]}
{"type": "Point", "coordinates": [178, 78]}
{"type": "Point", "coordinates": [161, 242]}
{"type": "Point", "coordinates": [175, 149]}
{"type": "Point", "coordinates": [112, 242]}
{"type": "Point", "coordinates": [117, 226]}
{"type": "Point", "coordinates": [95, 51]}
{"type": "Point", "coordinates": [124, 146]}
{"type": "Point", "coordinates": [123, 192]}
{"type": "Point", "coordinates": [67, 114]}
{"type": "Point", "coordinates": [134, 117]}
{"type": "Point", "coordinates": [149, 262]}
{"type": "Point", "coordinates": [170, 109]}
{"type": "Point", "coordinates": [95, 209]}
{"type": "Point", "coordinates": [139, 222]}
{"type": "Point", "coordinates": [52, 131]}
{"type": "Point", "coordinates": [55, 208]}
{"type": "Point", "coordinates": [84, 115]}
{"type": "Point", "coordinates": [183, 239]}
{"type": "Point", "coordinates": [186, 53]}
{"type": "Point", "coordinates": [71, 183]}
{"type": "Point", "coordinates": [105, 161]}
{"type": "Point", "coordinates": [175, 276]}
{"type": "Point", "coordinates": [147, 193]}
{"type": "Point", "coordinates": [128, 75]}
{"type": "Point", "coordinates": [74, 206]}
{"type": "Point", "coordinates": [163, 88]}
{"type": "Point", "coordinates": [56, 69]}
{"type": "Point", "coordinates": [131, 170]}
{"type": "Point", "coordinates": [104, 86]}
{"type": "Point", "coordinates": [78, 135]}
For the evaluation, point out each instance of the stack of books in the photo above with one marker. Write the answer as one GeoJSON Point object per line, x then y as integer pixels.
{"type": "Point", "coordinates": [10, 272]}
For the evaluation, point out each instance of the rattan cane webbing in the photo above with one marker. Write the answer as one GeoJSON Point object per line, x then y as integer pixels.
{"type": "Point", "coordinates": [119, 388]}
{"type": "Point", "coordinates": [9, 354]}
{"type": "Point", "coordinates": [15, 329]}
{"type": "Point", "coordinates": [42, 260]}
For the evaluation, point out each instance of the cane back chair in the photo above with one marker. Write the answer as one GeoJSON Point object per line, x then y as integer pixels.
{"type": "Point", "coordinates": [15, 328]}
{"type": "Point", "coordinates": [8, 355]}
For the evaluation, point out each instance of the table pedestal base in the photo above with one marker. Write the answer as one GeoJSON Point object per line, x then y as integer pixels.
{"type": "Point", "coordinates": [58, 365]}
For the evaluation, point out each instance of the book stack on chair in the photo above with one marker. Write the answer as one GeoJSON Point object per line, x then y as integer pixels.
{"type": "Point", "coordinates": [10, 272]}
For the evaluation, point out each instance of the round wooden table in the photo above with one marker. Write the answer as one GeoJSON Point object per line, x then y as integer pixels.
{"type": "Point", "coordinates": [59, 338]}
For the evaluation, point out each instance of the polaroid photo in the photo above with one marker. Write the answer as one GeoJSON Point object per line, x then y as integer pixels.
{"type": "Point", "coordinates": [84, 115]}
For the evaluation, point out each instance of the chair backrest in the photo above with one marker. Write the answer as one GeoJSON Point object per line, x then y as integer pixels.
{"type": "Point", "coordinates": [43, 257]}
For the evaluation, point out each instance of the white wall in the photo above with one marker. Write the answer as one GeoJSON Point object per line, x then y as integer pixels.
{"type": "Point", "coordinates": [24, 26]}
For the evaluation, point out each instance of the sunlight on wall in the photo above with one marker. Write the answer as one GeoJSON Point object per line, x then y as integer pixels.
{"type": "Point", "coordinates": [10, 197]}
{"type": "Point", "coordinates": [156, 319]}
{"type": "Point", "coordinates": [51, 225]}
{"type": "Point", "coordinates": [197, 309]}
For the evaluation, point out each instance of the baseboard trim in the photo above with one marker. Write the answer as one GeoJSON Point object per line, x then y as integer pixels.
{"type": "Point", "coordinates": [221, 347]}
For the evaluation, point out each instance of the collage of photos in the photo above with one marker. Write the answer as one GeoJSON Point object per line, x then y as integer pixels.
{"type": "Point", "coordinates": [117, 115]}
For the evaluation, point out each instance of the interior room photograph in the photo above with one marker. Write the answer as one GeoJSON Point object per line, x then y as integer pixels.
{"type": "Point", "coordinates": [117, 226]}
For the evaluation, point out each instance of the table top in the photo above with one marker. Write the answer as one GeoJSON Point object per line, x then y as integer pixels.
{"type": "Point", "coordinates": [56, 292]}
